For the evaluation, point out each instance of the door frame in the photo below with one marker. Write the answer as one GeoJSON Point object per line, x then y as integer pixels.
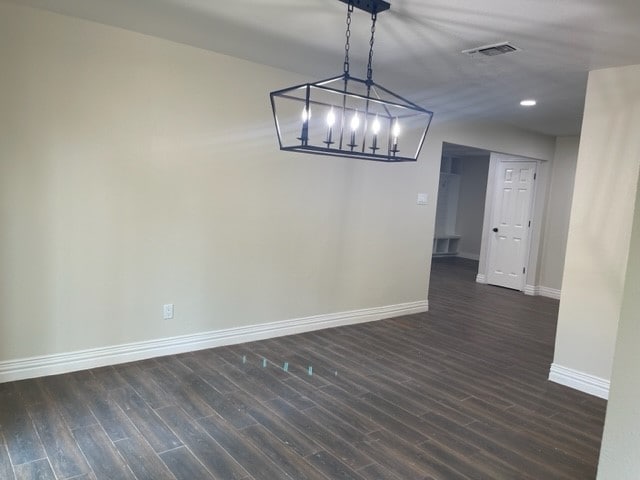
{"type": "Point", "coordinates": [537, 213]}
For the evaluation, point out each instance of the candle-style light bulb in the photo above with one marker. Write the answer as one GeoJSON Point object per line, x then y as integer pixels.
{"type": "Point", "coordinates": [304, 134]}
{"type": "Point", "coordinates": [395, 131]}
{"type": "Point", "coordinates": [375, 128]}
{"type": "Point", "coordinates": [355, 123]}
{"type": "Point", "coordinates": [331, 119]}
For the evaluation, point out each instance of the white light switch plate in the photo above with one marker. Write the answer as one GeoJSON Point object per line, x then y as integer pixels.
{"type": "Point", "coordinates": [422, 199]}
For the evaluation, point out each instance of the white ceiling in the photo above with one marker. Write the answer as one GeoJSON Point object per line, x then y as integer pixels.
{"type": "Point", "coordinates": [417, 49]}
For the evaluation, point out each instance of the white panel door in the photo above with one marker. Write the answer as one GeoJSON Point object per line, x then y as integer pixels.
{"type": "Point", "coordinates": [510, 227]}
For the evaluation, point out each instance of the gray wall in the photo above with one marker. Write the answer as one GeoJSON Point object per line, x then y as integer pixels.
{"type": "Point", "coordinates": [473, 188]}
{"type": "Point", "coordinates": [554, 245]}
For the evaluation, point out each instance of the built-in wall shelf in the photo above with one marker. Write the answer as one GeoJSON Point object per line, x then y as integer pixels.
{"type": "Point", "coordinates": [445, 241]}
{"type": "Point", "coordinates": [446, 245]}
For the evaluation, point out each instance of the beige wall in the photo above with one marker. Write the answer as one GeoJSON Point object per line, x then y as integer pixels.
{"type": "Point", "coordinates": [136, 172]}
{"type": "Point", "coordinates": [620, 452]}
{"type": "Point", "coordinates": [563, 170]}
{"type": "Point", "coordinates": [600, 227]}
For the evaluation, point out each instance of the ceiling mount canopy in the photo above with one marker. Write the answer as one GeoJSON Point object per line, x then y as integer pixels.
{"type": "Point", "coordinates": [371, 6]}
{"type": "Point", "coordinates": [345, 116]}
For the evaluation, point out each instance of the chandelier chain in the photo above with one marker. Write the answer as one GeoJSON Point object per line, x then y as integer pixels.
{"type": "Point", "coordinates": [348, 36]}
{"type": "Point", "coordinates": [374, 17]}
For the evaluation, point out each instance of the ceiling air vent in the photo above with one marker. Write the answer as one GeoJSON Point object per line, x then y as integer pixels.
{"type": "Point", "coordinates": [491, 50]}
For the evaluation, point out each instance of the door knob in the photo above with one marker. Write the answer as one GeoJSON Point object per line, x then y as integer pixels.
{"type": "Point", "coordinates": [495, 229]}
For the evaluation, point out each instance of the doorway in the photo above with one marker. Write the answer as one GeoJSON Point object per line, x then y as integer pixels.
{"type": "Point", "coordinates": [461, 202]}
{"type": "Point", "coordinates": [486, 213]}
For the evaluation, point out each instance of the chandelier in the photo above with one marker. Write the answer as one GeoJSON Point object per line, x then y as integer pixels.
{"type": "Point", "coordinates": [345, 116]}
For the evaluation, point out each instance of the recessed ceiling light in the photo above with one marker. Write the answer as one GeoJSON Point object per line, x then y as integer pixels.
{"type": "Point", "coordinates": [528, 103]}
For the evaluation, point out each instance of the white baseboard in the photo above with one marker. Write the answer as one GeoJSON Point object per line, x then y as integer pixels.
{"type": "Point", "coordinates": [99, 357]}
{"type": "Point", "coordinates": [549, 292]}
{"type": "Point", "coordinates": [528, 289]}
{"type": "Point", "coordinates": [469, 256]}
{"type": "Point", "coordinates": [542, 291]}
{"type": "Point", "coordinates": [579, 380]}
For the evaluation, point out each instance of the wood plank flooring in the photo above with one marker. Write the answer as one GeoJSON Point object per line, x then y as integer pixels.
{"type": "Point", "coordinates": [456, 393]}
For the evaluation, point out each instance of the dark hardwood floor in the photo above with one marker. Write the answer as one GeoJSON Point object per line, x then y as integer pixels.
{"type": "Point", "coordinates": [457, 393]}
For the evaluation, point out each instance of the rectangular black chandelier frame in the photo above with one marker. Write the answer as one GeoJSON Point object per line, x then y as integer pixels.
{"type": "Point", "coordinates": [391, 152]}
